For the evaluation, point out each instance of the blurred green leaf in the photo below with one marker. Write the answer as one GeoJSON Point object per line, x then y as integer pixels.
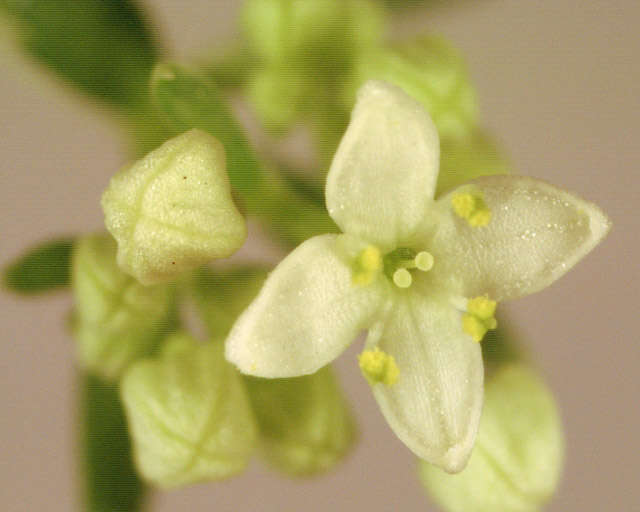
{"type": "Point", "coordinates": [41, 269]}
{"type": "Point", "coordinates": [102, 46]}
{"type": "Point", "coordinates": [108, 475]}
{"type": "Point", "coordinates": [188, 100]}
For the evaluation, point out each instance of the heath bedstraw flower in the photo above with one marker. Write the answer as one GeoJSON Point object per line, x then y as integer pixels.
{"type": "Point", "coordinates": [423, 276]}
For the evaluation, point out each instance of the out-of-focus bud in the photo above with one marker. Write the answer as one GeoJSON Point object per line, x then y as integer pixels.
{"type": "Point", "coordinates": [172, 211]}
{"type": "Point", "coordinates": [307, 49]}
{"type": "Point", "coordinates": [431, 71]}
{"type": "Point", "coordinates": [116, 320]}
{"type": "Point", "coordinates": [278, 95]}
{"type": "Point", "coordinates": [221, 295]}
{"type": "Point", "coordinates": [516, 462]}
{"type": "Point", "coordinates": [323, 35]}
{"type": "Point", "coordinates": [188, 414]}
{"type": "Point", "coordinates": [465, 158]}
{"type": "Point", "coordinates": [305, 423]}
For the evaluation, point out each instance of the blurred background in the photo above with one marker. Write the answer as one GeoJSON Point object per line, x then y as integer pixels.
{"type": "Point", "coordinates": [558, 85]}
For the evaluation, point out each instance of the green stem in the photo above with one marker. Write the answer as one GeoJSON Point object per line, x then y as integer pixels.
{"type": "Point", "coordinates": [108, 476]}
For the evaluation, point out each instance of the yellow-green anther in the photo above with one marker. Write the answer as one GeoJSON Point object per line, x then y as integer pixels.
{"type": "Point", "coordinates": [482, 307]}
{"type": "Point", "coordinates": [172, 211]}
{"type": "Point", "coordinates": [472, 208]}
{"type": "Point", "coordinates": [367, 265]}
{"type": "Point", "coordinates": [189, 415]}
{"type": "Point", "coordinates": [305, 423]}
{"type": "Point", "coordinates": [116, 320]}
{"type": "Point", "coordinates": [479, 317]}
{"type": "Point", "coordinates": [424, 261]}
{"type": "Point", "coordinates": [402, 278]}
{"type": "Point", "coordinates": [378, 366]}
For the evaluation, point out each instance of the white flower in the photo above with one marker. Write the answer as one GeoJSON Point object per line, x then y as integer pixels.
{"type": "Point", "coordinates": [422, 275]}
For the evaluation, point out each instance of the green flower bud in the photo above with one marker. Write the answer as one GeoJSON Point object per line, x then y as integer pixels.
{"type": "Point", "coordinates": [116, 320]}
{"type": "Point", "coordinates": [278, 96]}
{"type": "Point", "coordinates": [431, 71]}
{"type": "Point", "coordinates": [188, 414]}
{"type": "Point", "coordinates": [172, 211]}
{"type": "Point", "coordinates": [465, 158]}
{"type": "Point", "coordinates": [322, 35]}
{"type": "Point", "coordinates": [305, 423]}
{"type": "Point", "coordinates": [516, 462]}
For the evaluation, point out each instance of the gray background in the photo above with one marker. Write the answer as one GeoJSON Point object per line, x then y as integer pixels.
{"type": "Point", "coordinates": [558, 84]}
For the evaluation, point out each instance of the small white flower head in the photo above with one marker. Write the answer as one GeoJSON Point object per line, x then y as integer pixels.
{"type": "Point", "coordinates": [516, 463]}
{"type": "Point", "coordinates": [424, 276]}
{"type": "Point", "coordinates": [172, 211]}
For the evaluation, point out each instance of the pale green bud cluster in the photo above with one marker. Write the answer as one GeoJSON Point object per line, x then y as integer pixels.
{"type": "Point", "coordinates": [189, 414]}
{"type": "Point", "coordinates": [432, 72]}
{"type": "Point", "coordinates": [116, 319]}
{"type": "Point", "coordinates": [172, 211]}
{"type": "Point", "coordinates": [305, 423]}
{"type": "Point", "coordinates": [516, 462]}
{"type": "Point", "coordinates": [306, 49]}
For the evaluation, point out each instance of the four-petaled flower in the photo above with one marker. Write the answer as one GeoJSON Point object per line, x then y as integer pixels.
{"type": "Point", "coordinates": [422, 275]}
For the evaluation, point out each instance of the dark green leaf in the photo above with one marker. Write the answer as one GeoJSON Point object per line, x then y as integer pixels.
{"type": "Point", "coordinates": [110, 480]}
{"type": "Point", "coordinates": [40, 269]}
{"type": "Point", "coordinates": [102, 46]}
{"type": "Point", "coordinates": [188, 100]}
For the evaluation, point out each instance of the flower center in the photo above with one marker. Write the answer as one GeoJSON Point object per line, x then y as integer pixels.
{"type": "Point", "coordinates": [398, 265]}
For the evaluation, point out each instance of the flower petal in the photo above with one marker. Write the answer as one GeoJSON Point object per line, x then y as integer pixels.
{"type": "Point", "coordinates": [434, 406]}
{"type": "Point", "coordinates": [384, 172]}
{"type": "Point", "coordinates": [306, 314]}
{"type": "Point", "coordinates": [536, 233]}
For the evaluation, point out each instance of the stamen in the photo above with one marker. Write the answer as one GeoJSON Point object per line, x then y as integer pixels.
{"type": "Point", "coordinates": [402, 278]}
{"type": "Point", "coordinates": [378, 366]}
{"type": "Point", "coordinates": [424, 261]}
{"type": "Point", "coordinates": [471, 207]}
{"type": "Point", "coordinates": [367, 265]}
{"type": "Point", "coordinates": [479, 317]}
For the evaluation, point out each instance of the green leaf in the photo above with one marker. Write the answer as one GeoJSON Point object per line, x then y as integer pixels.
{"type": "Point", "coordinates": [188, 100]}
{"type": "Point", "coordinates": [109, 480]}
{"type": "Point", "coordinates": [104, 47]}
{"type": "Point", "coordinates": [41, 269]}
